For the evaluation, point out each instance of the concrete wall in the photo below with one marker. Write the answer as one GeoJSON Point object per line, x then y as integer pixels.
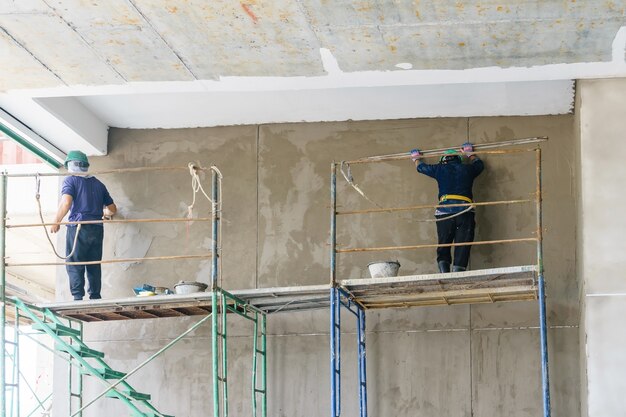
{"type": "Point", "coordinates": [459, 361]}
{"type": "Point", "coordinates": [602, 126]}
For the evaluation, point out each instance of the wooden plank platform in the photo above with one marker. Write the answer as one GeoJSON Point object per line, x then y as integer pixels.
{"type": "Point", "coordinates": [516, 283]}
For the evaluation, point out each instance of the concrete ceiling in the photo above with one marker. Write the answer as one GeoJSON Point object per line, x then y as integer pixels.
{"type": "Point", "coordinates": [71, 68]}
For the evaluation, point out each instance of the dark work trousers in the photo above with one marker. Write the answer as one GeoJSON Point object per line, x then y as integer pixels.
{"type": "Point", "coordinates": [88, 248]}
{"type": "Point", "coordinates": [455, 230]}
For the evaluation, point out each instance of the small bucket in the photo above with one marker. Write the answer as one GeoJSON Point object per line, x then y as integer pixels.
{"type": "Point", "coordinates": [189, 287]}
{"type": "Point", "coordinates": [384, 269]}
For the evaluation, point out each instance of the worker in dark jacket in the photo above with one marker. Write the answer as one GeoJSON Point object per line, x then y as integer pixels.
{"type": "Point", "coordinates": [85, 198]}
{"type": "Point", "coordinates": [454, 224]}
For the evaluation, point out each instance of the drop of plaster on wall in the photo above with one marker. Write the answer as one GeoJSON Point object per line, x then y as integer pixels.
{"type": "Point", "coordinates": [405, 65]}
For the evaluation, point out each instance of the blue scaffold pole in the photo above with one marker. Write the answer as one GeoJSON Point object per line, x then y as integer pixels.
{"type": "Point", "coordinates": [362, 364]}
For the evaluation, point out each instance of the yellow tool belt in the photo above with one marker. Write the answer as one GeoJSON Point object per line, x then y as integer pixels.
{"type": "Point", "coordinates": [447, 197]}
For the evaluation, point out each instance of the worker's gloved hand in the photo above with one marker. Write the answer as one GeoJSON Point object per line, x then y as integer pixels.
{"type": "Point", "coordinates": [415, 154]}
{"type": "Point", "coordinates": [467, 147]}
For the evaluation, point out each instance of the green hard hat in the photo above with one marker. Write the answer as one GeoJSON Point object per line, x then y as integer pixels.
{"type": "Point", "coordinates": [76, 156]}
{"type": "Point", "coordinates": [449, 152]}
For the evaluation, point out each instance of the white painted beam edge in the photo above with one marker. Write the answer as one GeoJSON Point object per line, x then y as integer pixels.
{"type": "Point", "coordinates": [32, 137]}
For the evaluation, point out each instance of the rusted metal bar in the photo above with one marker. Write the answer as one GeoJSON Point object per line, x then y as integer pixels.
{"type": "Point", "coordinates": [480, 148]}
{"type": "Point", "coordinates": [109, 171]}
{"type": "Point", "coordinates": [166, 220]}
{"type": "Point", "coordinates": [111, 261]}
{"type": "Point", "coordinates": [425, 206]}
{"type": "Point", "coordinates": [443, 245]}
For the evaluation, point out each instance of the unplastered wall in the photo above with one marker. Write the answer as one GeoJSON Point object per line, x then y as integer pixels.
{"type": "Point", "coordinates": [459, 360]}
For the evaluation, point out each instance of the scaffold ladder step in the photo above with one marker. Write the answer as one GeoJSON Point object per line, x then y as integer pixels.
{"type": "Point", "coordinates": [58, 329]}
{"type": "Point", "coordinates": [130, 393]}
{"type": "Point", "coordinates": [107, 373]}
{"type": "Point", "coordinates": [81, 350]}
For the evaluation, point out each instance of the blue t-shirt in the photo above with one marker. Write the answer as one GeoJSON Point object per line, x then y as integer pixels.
{"type": "Point", "coordinates": [89, 196]}
{"type": "Point", "coordinates": [453, 178]}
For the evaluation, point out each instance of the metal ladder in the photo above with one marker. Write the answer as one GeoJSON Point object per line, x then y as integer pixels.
{"type": "Point", "coordinates": [224, 303]}
{"type": "Point", "coordinates": [87, 361]}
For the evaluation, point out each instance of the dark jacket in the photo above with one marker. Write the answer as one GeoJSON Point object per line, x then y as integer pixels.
{"type": "Point", "coordinates": [453, 178]}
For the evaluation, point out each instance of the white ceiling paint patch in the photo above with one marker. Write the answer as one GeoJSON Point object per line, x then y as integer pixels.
{"type": "Point", "coordinates": [404, 65]}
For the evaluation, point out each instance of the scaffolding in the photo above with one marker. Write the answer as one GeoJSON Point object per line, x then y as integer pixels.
{"type": "Point", "coordinates": [356, 296]}
{"type": "Point", "coordinates": [515, 283]}
{"type": "Point", "coordinates": [67, 331]}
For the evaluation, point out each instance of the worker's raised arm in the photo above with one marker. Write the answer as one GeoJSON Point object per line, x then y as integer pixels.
{"type": "Point", "coordinates": [421, 166]}
{"type": "Point", "coordinates": [64, 207]}
{"type": "Point", "coordinates": [475, 162]}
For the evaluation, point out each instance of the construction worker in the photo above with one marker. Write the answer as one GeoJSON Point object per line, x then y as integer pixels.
{"type": "Point", "coordinates": [85, 198]}
{"type": "Point", "coordinates": [454, 224]}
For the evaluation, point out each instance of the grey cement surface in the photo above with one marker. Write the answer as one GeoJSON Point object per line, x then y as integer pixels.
{"type": "Point", "coordinates": [480, 360]}
{"type": "Point", "coordinates": [120, 41]}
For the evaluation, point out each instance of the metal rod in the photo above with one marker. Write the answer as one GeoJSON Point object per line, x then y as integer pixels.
{"type": "Point", "coordinates": [443, 245]}
{"type": "Point", "coordinates": [543, 333]}
{"type": "Point", "coordinates": [428, 206]}
{"type": "Point", "coordinates": [144, 363]}
{"type": "Point", "coordinates": [333, 223]}
{"type": "Point", "coordinates": [214, 231]}
{"type": "Point", "coordinates": [111, 261]}
{"type": "Point", "coordinates": [440, 151]}
{"type": "Point", "coordinates": [338, 330]}
{"type": "Point", "coordinates": [224, 313]}
{"type": "Point", "coordinates": [3, 321]}
{"type": "Point", "coordinates": [214, 355]}
{"type": "Point", "coordinates": [255, 348]}
{"type": "Point", "coordinates": [539, 212]}
{"type": "Point", "coordinates": [362, 363]}
{"type": "Point", "coordinates": [333, 354]}
{"type": "Point", "coordinates": [168, 220]}
{"type": "Point", "coordinates": [109, 171]}
{"type": "Point", "coordinates": [264, 365]}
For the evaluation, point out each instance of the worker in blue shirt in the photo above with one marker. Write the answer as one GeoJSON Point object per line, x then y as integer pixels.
{"type": "Point", "coordinates": [454, 224]}
{"type": "Point", "coordinates": [85, 198]}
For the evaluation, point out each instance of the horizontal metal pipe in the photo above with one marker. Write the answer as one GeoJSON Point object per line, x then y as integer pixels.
{"type": "Point", "coordinates": [443, 245]}
{"type": "Point", "coordinates": [109, 171]}
{"type": "Point", "coordinates": [166, 220]}
{"type": "Point", "coordinates": [425, 206]}
{"type": "Point", "coordinates": [479, 147]}
{"type": "Point", "coordinates": [111, 261]}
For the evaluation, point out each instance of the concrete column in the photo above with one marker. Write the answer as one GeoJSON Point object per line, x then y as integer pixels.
{"type": "Point", "coordinates": [601, 233]}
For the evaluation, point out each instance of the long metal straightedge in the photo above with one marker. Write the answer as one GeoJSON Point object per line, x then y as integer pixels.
{"type": "Point", "coordinates": [439, 151]}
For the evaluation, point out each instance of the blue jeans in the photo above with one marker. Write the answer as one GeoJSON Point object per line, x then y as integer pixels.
{"type": "Point", "coordinates": [88, 248]}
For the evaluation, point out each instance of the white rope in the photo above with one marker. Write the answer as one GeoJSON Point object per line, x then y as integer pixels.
{"type": "Point", "coordinates": [196, 185]}
{"type": "Point", "coordinates": [347, 174]}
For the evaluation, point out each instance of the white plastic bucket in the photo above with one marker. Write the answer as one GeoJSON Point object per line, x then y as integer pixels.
{"type": "Point", "coordinates": [384, 269]}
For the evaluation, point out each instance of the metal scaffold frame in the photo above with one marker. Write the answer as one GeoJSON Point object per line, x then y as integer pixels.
{"type": "Point", "coordinates": [401, 291]}
{"type": "Point", "coordinates": [67, 331]}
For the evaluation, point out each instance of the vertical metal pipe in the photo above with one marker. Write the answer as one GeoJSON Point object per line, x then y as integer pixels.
{"type": "Point", "coordinates": [264, 365]}
{"type": "Point", "coordinates": [255, 348]}
{"type": "Point", "coordinates": [333, 223]}
{"type": "Point", "coordinates": [333, 368]}
{"type": "Point", "coordinates": [338, 338]}
{"type": "Point", "coordinates": [215, 227]}
{"type": "Point", "coordinates": [224, 356]}
{"type": "Point", "coordinates": [3, 319]}
{"type": "Point", "coordinates": [362, 364]}
{"type": "Point", "coordinates": [543, 335]}
{"type": "Point", "coordinates": [214, 354]}
{"type": "Point", "coordinates": [539, 212]}
{"type": "Point", "coordinates": [543, 328]}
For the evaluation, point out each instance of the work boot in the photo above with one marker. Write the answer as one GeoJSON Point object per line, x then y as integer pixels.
{"type": "Point", "coordinates": [444, 266]}
{"type": "Point", "coordinates": [456, 268]}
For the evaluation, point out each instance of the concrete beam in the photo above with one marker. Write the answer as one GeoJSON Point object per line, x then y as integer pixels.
{"type": "Point", "coordinates": [62, 123]}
